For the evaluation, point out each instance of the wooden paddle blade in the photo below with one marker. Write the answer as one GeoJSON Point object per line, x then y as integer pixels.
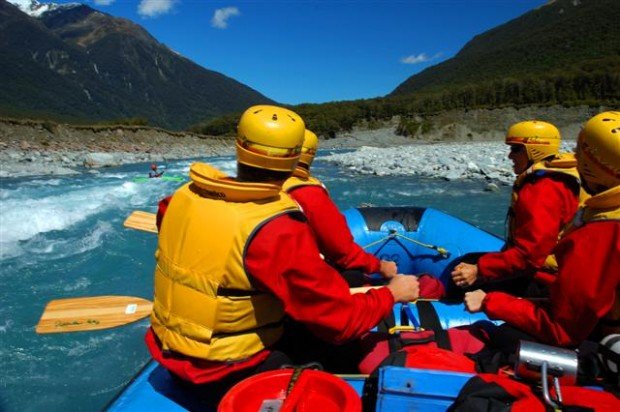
{"type": "Point", "coordinates": [139, 220]}
{"type": "Point", "coordinates": [92, 313]}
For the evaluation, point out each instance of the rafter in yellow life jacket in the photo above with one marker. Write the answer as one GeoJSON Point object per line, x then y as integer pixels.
{"type": "Point", "coordinates": [205, 305]}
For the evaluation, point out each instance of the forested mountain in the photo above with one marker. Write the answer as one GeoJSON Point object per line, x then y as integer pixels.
{"type": "Point", "coordinates": [75, 63]}
{"type": "Point", "coordinates": [561, 38]}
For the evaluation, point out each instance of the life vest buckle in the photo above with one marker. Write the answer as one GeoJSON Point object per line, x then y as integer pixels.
{"type": "Point", "coordinates": [407, 328]}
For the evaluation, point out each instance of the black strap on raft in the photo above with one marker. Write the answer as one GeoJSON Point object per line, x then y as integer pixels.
{"type": "Point", "coordinates": [394, 342]}
{"type": "Point", "coordinates": [430, 320]}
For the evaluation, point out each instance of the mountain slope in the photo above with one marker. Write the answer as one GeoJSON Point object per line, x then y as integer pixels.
{"type": "Point", "coordinates": [78, 63]}
{"type": "Point", "coordinates": [563, 36]}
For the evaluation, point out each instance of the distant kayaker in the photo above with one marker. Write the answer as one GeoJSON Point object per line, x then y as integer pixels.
{"type": "Point", "coordinates": [155, 171]}
{"type": "Point", "coordinates": [240, 286]}
{"type": "Point", "coordinates": [585, 299]}
{"type": "Point", "coordinates": [545, 196]}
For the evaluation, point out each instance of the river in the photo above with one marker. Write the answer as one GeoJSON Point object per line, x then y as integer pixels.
{"type": "Point", "coordinates": [64, 237]}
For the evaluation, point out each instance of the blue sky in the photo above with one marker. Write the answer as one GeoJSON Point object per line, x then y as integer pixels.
{"type": "Point", "coordinates": [317, 51]}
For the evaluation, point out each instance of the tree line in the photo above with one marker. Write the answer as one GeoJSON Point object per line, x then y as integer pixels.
{"type": "Point", "coordinates": [596, 83]}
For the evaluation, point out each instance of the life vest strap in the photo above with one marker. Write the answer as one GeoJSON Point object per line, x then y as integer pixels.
{"type": "Point", "coordinates": [271, 325]}
{"type": "Point", "coordinates": [237, 292]}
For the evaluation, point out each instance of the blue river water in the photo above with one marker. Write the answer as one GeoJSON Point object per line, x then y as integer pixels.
{"type": "Point", "coordinates": [63, 237]}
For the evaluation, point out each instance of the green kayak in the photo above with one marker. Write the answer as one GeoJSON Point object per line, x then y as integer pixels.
{"type": "Point", "coordinates": [165, 178]}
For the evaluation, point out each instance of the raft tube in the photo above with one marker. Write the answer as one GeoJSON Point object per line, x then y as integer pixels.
{"type": "Point", "coordinates": [419, 240]}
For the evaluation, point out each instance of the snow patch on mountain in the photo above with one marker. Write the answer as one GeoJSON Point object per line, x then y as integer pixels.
{"type": "Point", "coordinates": [37, 9]}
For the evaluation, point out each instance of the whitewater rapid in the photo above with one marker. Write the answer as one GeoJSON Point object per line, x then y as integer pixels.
{"type": "Point", "coordinates": [63, 237]}
{"type": "Point", "coordinates": [33, 210]}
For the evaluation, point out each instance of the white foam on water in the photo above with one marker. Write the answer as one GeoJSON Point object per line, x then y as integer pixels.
{"type": "Point", "coordinates": [417, 192]}
{"type": "Point", "coordinates": [180, 168]}
{"type": "Point", "coordinates": [227, 166]}
{"type": "Point", "coordinates": [23, 354]}
{"type": "Point", "coordinates": [23, 220]}
{"type": "Point", "coordinates": [81, 283]}
{"type": "Point", "coordinates": [43, 182]}
{"type": "Point", "coordinates": [79, 349]}
{"type": "Point", "coordinates": [42, 247]}
{"type": "Point", "coordinates": [6, 326]}
{"type": "Point", "coordinates": [116, 175]}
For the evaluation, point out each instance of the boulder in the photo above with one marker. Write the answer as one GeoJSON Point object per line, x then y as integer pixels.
{"type": "Point", "coordinates": [100, 160]}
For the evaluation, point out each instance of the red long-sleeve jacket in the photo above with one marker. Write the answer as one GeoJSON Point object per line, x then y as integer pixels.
{"type": "Point", "coordinates": [543, 207]}
{"type": "Point", "coordinates": [584, 292]}
{"type": "Point", "coordinates": [283, 258]}
{"type": "Point", "coordinates": [331, 231]}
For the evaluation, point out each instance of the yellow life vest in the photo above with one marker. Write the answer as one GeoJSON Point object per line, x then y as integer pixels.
{"type": "Point", "coordinates": [205, 305]}
{"type": "Point", "coordinates": [301, 177]}
{"type": "Point", "coordinates": [563, 164]}
{"type": "Point", "coordinates": [601, 207]}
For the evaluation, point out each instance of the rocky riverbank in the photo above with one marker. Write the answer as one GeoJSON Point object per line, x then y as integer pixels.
{"type": "Point", "coordinates": [452, 145]}
{"type": "Point", "coordinates": [451, 161]}
{"type": "Point", "coordinates": [30, 148]}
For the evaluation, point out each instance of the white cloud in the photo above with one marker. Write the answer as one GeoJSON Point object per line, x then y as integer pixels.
{"type": "Point", "coordinates": [103, 2]}
{"type": "Point", "coordinates": [221, 16]}
{"type": "Point", "coordinates": [154, 8]}
{"type": "Point", "coordinates": [420, 58]}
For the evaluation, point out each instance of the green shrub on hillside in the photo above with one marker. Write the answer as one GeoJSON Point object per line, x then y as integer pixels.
{"type": "Point", "coordinates": [220, 126]}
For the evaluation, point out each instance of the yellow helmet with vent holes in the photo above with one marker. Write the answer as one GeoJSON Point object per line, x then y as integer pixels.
{"type": "Point", "coordinates": [270, 137]}
{"type": "Point", "coordinates": [598, 150]}
{"type": "Point", "coordinates": [541, 139]}
{"type": "Point", "coordinates": [308, 148]}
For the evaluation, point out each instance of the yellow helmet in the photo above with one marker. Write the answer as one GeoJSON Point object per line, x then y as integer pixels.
{"type": "Point", "coordinates": [541, 139]}
{"type": "Point", "coordinates": [598, 150]}
{"type": "Point", "coordinates": [308, 148]}
{"type": "Point", "coordinates": [270, 137]}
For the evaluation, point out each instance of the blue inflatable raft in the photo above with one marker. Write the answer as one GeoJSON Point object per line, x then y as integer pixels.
{"type": "Point", "coordinates": [419, 240]}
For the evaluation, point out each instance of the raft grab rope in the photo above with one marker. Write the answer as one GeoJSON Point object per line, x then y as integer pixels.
{"type": "Point", "coordinates": [393, 234]}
